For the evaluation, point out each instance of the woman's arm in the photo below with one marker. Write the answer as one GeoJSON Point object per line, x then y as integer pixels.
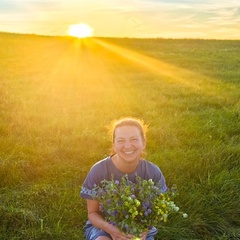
{"type": "Point", "coordinates": [98, 221]}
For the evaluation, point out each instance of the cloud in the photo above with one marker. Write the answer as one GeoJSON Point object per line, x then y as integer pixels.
{"type": "Point", "coordinates": [23, 6]}
{"type": "Point", "coordinates": [135, 18]}
{"type": "Point", "coordinates": [10, 6]}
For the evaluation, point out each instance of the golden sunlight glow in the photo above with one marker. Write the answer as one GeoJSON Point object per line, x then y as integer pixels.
{"type": "Point", "coordinates": [80, 30]}
{"type": "Point", "coordinates": [173, 73]}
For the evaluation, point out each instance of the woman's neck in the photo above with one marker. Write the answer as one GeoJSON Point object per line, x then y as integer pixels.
{"type": "Point", "coordinates": [124, 166]}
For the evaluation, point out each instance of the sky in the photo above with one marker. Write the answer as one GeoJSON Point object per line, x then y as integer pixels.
{"type": "Point", "coordinates": [205, 19]}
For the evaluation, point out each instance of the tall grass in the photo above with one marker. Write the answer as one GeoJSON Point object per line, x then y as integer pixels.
{"type": "Point", "coordinates": [57, 97]}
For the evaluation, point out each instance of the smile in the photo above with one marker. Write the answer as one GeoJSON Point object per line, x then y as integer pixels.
{"type": "Point", "coordinates": [128, 153]}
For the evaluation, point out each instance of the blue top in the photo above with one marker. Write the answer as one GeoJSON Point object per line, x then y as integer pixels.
{"type": "Point", "coordinates": [105, 170]}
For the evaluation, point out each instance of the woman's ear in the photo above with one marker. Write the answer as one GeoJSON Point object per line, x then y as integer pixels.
{"type": "Point", "coordinates": [144, 144]}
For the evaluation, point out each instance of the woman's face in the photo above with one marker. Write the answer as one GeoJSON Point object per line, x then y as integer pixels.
{"type": "Point", "coordinates": [128, 143]}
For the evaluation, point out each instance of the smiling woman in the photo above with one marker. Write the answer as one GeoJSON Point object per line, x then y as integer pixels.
{"type": "Point", "coordinates": [80, 30]}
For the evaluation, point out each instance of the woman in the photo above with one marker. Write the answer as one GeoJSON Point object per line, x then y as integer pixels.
{"type": "Point", "coordinates": [129, 142]}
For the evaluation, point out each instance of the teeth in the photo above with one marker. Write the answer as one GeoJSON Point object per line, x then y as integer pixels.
{"type": "Point", "coordinates": [129, 152]}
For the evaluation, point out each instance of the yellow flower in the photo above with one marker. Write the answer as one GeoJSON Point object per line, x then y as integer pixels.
{"type": "Point", "coordinates": [137, 202]}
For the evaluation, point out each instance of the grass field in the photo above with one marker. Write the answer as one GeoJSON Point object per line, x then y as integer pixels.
{"type": "Point", "coordinates": [57, 98]}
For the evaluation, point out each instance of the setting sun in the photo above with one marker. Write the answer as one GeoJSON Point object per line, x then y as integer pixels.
{"type": "Point", "coordinates": [80, 30]}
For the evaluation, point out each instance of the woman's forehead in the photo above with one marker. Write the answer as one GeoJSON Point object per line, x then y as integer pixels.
{"type": "Point", "coordinates": [127, 130]}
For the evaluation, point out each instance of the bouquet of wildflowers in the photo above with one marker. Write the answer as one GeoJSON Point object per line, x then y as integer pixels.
{"type": "Point", "coordinates": [134, 207]}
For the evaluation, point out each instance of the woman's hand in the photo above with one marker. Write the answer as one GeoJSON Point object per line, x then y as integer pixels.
{"type": "Point", "coordinates": [116, 234]}
{"type": "Point", "coordinates": [98, 221]}
{"type": "Point", "coordinates": [143, 236]}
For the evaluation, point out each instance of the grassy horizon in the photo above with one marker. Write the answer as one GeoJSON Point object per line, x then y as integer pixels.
{"type": "Point", "coordinates": [58, 96]}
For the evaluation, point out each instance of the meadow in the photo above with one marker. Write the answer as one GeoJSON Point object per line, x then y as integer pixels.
{"type": "Point", "coordinates": [58, 96]}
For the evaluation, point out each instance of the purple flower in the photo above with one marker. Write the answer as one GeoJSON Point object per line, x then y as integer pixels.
{"type": "Point", "coordinates": [115, 213]}
{"type": "Point", "coordinates": [149, 210]}
{"type": "Point", "coordinates": [146, 205]}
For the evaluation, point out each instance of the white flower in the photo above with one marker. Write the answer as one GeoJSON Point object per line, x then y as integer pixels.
{"type": "Point", "coordinates": [176, 209]}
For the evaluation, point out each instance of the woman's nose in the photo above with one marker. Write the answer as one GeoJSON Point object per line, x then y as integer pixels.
{"type": "Point", "coordinates": [127, 144]}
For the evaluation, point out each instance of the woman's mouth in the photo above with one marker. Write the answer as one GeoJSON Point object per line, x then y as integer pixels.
{"type": "Point", "coordinates": [128, 152]}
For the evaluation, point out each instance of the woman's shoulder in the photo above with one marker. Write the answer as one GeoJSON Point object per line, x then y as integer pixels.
{"type": "Point", "coordinates": [151, 170]}
{"type": "Point", "coordinates": [101, 164]}
{"type": "Point", "coordinates": [149, 164]}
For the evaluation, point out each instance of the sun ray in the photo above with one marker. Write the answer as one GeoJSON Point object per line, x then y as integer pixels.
{"type": "Point", "coordinates": [170, 73]}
